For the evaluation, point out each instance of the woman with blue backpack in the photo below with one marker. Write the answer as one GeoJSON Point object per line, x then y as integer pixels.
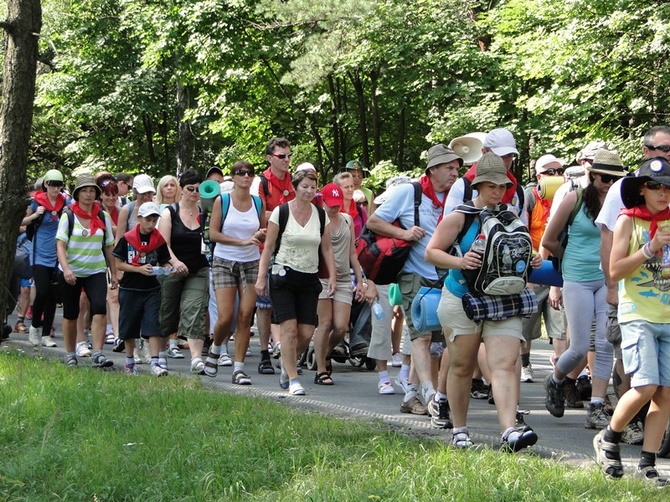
{"type": "Point", "coordinates": [451, 247]}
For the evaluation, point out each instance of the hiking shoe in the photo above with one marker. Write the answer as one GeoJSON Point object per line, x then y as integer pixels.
{"type": "Point", "coordinates": [439, 414]}
{"type": "Point", "coordinates": [527, 374]}
{"type": "Point", "coordinates": [71, 361]}
{"type": "Point", "coordinates": [413, 406]}
{"type": "Point", "coordinates": [584, 387]}
{"type": "Point", "coordinates": [100, 361]}
{"type": "Point", "coordinates": [34, 336]}
{"type": "Point", "coordinates": [82, 349]}
{"type": "Point", "coordinates": [175, 353]}
{"type": "Point", "coordinates": [130, 370]}
{"type": "Point", "coordinates": [571, 395]}
{"type": "Point", "coordinates": [461, 440]}
{"type": "Point", "coordinates": [554, 400]}
{"type": "Point", "coordinates": [607, 456]}
{"type": "Point", "coordinates": [597, 417]}
{"type": "Point", "coordinates": [158, 371]}
{"type": "Point", "coordinates": [517, 438]}
{"type": "Point", "coordinates": [48, 342]}
{"type": "Point", "coordinates": [241, 378]}
{"type": "Point", "coordinates": [403, 383]}
{"type": "Point", "coordinates": [197, 366]}
{"type": "Point", "coordinates": [225, 360]}
{"type": "Point", "coordinates": [649, 474]}
{"type": "Point", "coordinates": [633, 433]}
{"type": "Point", "coordinates": [385, 388]}
{"type": "Point", "coordinates": [478, 389]}
{"type": "Point", "coordinates": [396, 360]}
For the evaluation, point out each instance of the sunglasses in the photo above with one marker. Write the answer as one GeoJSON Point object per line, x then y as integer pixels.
{"type": "Point", "coordinates": [107, 183]}
{"type": "Point", "coordinates": [654, 185]}
{"type": "Point", "coordinates": [663, 148]}
{"type": "Point", "coordinates": [282, 155]}
{"type": "Point", "coordinates": [607, 178]}
{"type": "Point", "coordinates": [244, 172]}
{"type": "Point", "coordinates": [553, 172]}
{"type": "Point", "coordinates": [190, 188]}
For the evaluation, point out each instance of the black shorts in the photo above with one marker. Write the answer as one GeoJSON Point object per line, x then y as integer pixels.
{"type": "Point", "coordinates": [294, 295]}
{"type": "Point", "coordinates": [139, 313]}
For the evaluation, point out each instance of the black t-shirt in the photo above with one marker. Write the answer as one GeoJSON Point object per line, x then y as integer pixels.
{"type": "Point", "coordinates": [134, 280]}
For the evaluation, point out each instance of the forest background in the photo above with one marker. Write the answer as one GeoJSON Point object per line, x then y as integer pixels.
{"type": "Point", "coordinates": [159, 86]}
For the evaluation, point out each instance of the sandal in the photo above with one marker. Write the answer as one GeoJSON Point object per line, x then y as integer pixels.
{"type": "Point", "coordinates": [241, 378]}
{"type": "Point", "coordinates": [296, 389]}
{"type": "Point", "coordinates": [323, 379]}
{"type": "Point", "coordinates": [265, 367]}
{"type": "Point", "coordinates": [461, 439]}
{"type": "Point", "coordinates": [211, 367]}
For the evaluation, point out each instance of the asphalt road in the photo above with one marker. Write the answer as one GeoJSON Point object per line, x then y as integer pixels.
{"type": "Point", "coordinates": [355, 395]}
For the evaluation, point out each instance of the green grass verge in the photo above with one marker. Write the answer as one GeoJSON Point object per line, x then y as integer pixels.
{"type": "Point", "coordinates": [83, 434]}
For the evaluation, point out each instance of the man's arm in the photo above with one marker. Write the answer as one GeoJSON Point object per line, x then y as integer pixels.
{"type": "Point", "coordinates": [386, 229]}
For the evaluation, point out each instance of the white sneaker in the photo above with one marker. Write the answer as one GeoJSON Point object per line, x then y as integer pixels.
{"type": "Point", "coordinates": [527, 374]}
{"type": "Point", "coordinates": [225, 360]}
{"type": "Point", "coordinates": [156, 370]}
{"type": "Point", "coordinates": [175, 353]}
{"type": "Point", "coordinates": [48, 342]}
{"type": "Point", "coordinates": [385, 388]}
{"type": "Point", "coordinates": [34, 336]}
{"type": "Point", "coordinates": [82, 349]}
{"type": "Point", "coordinates": [396, 360]}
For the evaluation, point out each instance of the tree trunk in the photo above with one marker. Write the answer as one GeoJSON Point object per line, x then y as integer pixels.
{"type": "Point", "coordinates": [22, 27]}
{"type": "Point", "coordinates": [362, 116]}
{"type": "Point", "coordinates": [184, 135]}
{"type": "Point", "coordinates": [376, 122]}
{"type": "Point", "coordinates": [334, 124]}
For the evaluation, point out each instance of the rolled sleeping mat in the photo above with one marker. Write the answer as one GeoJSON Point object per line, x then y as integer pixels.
{"type": "Point", "coordinates": [546, 275]}
{"type": "Point", "coordinates": [548, 186]}
{"type": "Point", "coordinates": [208, 191]}
{"type": "Point", "coordinates": [424, 309]}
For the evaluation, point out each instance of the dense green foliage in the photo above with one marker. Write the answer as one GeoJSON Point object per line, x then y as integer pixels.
{"type": "Point", "coordinates": [140, 85]}
{"type": "Point", "coordinates": [82, 434]}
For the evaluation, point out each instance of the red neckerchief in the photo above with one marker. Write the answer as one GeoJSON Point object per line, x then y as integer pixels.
{"type": "Point", "coordinates": [94, 216]}
{"type": "Point", "coordinates": [429, 191]}
{"type": "Point", "coordinates": [545, 203]}
{"type": "Point", "coordinates": [113, 214]}
{"type": "Point", "coordinates": [643, 213]}
{"type": "Point", "coordinates": [281, 186]}
{"type": "Point", "coordinates": [43, 200]}
{"type": "Point", "coordinates": [352, 211]}
{"type": "Point", "coordinates": [510, 193]}
{"type": "Point", "coordinates": [135, 240]}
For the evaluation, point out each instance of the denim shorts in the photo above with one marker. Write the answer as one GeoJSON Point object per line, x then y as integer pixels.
{"type": "Point", "coordinates": [646, 352]}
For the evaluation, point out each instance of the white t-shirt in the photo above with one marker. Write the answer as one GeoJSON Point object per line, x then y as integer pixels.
{"type": "Point", "coordinates": [299, 247]}
{"type": "Point", "coordinates": [239, 225]}
{"type": "Point", "coordinates": [611, 207]}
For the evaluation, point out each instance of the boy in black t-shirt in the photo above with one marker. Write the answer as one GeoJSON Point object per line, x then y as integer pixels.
{"type": "Point", "coordinates": [139, 253]}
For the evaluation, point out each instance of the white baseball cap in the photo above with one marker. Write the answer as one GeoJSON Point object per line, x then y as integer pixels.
{"type": "Point", "coordinates": [501, 142]}
{"type": "Point", "coordinates": [545, 160]}
{"type": "Point", "coordinates": [143, 184]}
{"type": "Point", "coordinates": [148, 208]}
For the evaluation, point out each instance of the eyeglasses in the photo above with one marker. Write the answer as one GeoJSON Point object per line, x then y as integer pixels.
{"type": "Point", "coordinates": [244, 172]}
{"type": "Point", "coordinates": [553, 172]}
{"type": "Point", "coordinates": [663, 148]}
{"type": "Point", "coordinates": [607, 178]}
{"type": "Point", "coordinates": [282, 155]}
{"type": "Point", "coordinates": [190, 188]}
{"type": "Point", "coordinates": [655, 185]}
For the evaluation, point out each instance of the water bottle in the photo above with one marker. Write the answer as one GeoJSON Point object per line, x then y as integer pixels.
{"type": "Point", "coordinates": [479, 245]}
{"type": "Point", "coordinates": [377, 310]}
{"type": "Point", "coordinates": [162, 270]}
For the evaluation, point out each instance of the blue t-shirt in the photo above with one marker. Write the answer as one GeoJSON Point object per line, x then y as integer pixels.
{"type": "Point", "coordinates": [455, 282]}
{"type": "Point", "coordinates": [43, 251]}
{"type": "Point", "coordinates": [400, 205]}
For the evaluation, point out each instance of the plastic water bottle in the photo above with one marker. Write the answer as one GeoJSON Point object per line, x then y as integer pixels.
{"type": "Point", "coordinates": [479, 245]}
{"type": "Point", "coordinates": [377, 310]}
{"type": "Point", "coordinates": [162, 270]}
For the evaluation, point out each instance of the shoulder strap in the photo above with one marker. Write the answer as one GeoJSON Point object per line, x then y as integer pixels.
{"type": "Point", "coordinates": [578, 206]}
{"type": "Point", "coordinates": [258, 203]}
{"type": "Point", "coordinates": [417, 202]}
{"type": "Point", "coordinates": [322, 218]}
{"type": "Point", "coordinates": [467, 189]}
{"type": "Point", "coordinates": [522, 197]}
{"type": "Point", "coordinates": [131, 208]}
{"type": "Point", "coordinates": [283, 219]}
{"type": "Point", "coordinates": [70, 221]}
{"type": "Point", "coordinates": [265, 185]}
{"type": "Point", "coordinates": [225, 207]}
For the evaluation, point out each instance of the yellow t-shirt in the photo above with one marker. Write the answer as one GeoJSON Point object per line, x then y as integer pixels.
{"type": "Point", "coordinates": [645, 294]}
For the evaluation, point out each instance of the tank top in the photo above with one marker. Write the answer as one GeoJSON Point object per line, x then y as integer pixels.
{"type": "Point", "coordinates": [186, 244]}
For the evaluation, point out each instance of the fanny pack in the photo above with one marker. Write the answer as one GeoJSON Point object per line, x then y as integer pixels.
{"type": "Point", "coordinates": [480, 307]}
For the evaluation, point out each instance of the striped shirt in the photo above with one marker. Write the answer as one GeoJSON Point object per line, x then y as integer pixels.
{"type": "Point", "coordinates": [84, 253]}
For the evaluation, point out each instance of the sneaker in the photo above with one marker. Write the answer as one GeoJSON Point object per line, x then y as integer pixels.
{"type": "Point", "coordinates": [439, 414]}
{"type": "Point", "coordinates": [295, 389]}
{"type": "Point", "coordinates": [517, 438]}
{"type": "Point", "coordinates": [413, 406]}
{"type": "Point", "coordinates": [554, 400]}
{"type": "Point", "coordinates": [197, 366]}
{"type": "Point", "coordinates": [130, 370]}
{"type": "Point", "coordinates": [241, 378]}
{"type": "Point", "coordinates": [461, 440]}
{"type": "Point", "coordinates": [225, 360]}
{"type": "Point", "coordinates": [71, 361]}
{"type": "Point", "coordinates": [119, 346]}
{"type": "Point", "coordinates": [478, 389]}
{"type": "Point", "coordinates": [396, 360]}
{"type": "Point", "coordinates": [649, 474]}
{"type": "Point", "coordinates": [527, 374]}
{"type": "Point", "coordinates": [162, 362]}
{"type": "Point", "coordinates": [520, 422]}
{"type": "Point", "coordinates": [360, 349]}
{"type": "Point", "coordinates": [597, 417]}
{"type": "Point", "coordinates": [175, 353]}
{"type": "Point", "coordinates": [385, 388]}
{"type": "Point", "coordinates": [109, 339]}
{"type": "Point", "coordinates": [82, 349]}
{"type": "Point", "coordinates": [403, 383]}
{"type": "Point", "coordinates": [158, 371]}
{"type": "Point", "coordinates": [34, 336]}
{"type": "Point", "coordinates": [633, 433]}
{"type": "Point", "coordinates": [100, 361]}
{"type": "Point", "coordinates": [584, 387]}
{"type": "Point", "coordinates": [48, 342]}
{"type": "Point", "coordinates": [571, 395]}
{"type": "Point", "coordinates": [608, 456]}
{"type": "Point", "coordinates": [138, 356]}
